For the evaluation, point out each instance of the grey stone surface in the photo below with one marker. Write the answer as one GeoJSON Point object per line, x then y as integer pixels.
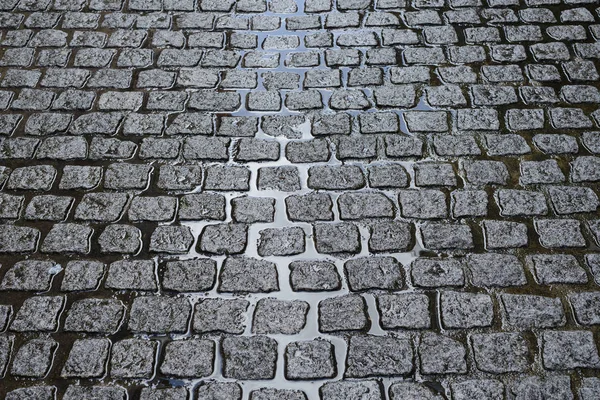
{"type": "Point", "coordinates": [193, 275]}
{"type": "Point", "coordinates": [314, 276]}
{"type": "Point", "coordinates": [410, 185]}
{"type": "Point", "coordinates": [585, 307]}
{"type": "Point", "coordinates": [272, 316]}
{"type": "Point", "coordinates": [220, 315]}
{"type": "Point", "coordinates": [488, 389]}
{"type": "Point", "coordinates": [560, 233]}
{"type": "Point", "coordinates": [569, 349]}
{"type": "Point", "coordinates": [557, 268]}
{"type": "Point", "coordinates": [201, 206]}
{"type": "Point", "coordinates": [378, 356]}
{"type": "Point", "coordinates": [281, 241]}
{"type": "Point", "coordinates": [431, 273]}
{"type": "Point", "coordinates": [346, 390]}
{"type": "Point", "coordinates": [95, 316]}
{"type": "Point", "coordinates": [553, 385]}
{"type": "Point", "coordinates": [223, 239]}
{"type": "Point", "coordinates": [354, 206]}
{"type": "Point", "coordinates": [171, 239]}
{"type": "Point", "coordinates": [344, 313]}
{"type": "Point", "coordinates": [188, 358]}
{"type": "Point", "coordinates": [244, 274]}
{"type": "Point", "coordinates": [131, 275]}
{"type": "Point", "coordinates": [495, 270]}
{"type": "Point", "coordinates": [120, 239]}
{"type": "Point", "coordinates": [218, 390]}
{"type": "Point", "coordinates": [34, 358]}
{"type": "Point", "coordinates": [18, 239]}
{"type": "Point", "coordinates": [314, 359]}
{"type": "Point", "coordinates": [342, 237]}
{"type": "Point", "coordinates": [30, 275]}
{"type": "Point", "coordinates": [153, 314]}
{"type": "Point", "coordinates": [82, 275]}
{"type": "Point", "coordinates": [504, 234]}
{"type": "Point", "coordinates": [404, 310]}
{"type": "Point", "coordinates": [133, 358]}
{"type": "Point", "coordinates": [309, 207]}
{"type": "Point", "coordinates": [440, 354]}
{"type": "Point", "coordinates": [38, 314]}
{"type": "Point", "coordinates": [374, 273]}
{"type": "Point", "coordinates": [401, 390]}
{"type": "Point", "coordinates": [466, 310]}
{"type": "Point", "coordinates": [423, 204]}
{"type": "Point", "coordinates": [87, 359]}
{"type": "Point", "coordinates": [528, 311]}
{"type": "Point", "coordinates": [249, 358]}
{"type": "Point", "coordinates": [501, 352]}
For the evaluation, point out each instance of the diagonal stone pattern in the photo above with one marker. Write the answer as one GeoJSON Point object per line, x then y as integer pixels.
{"type": "Point", "coordinates": [299, 199]}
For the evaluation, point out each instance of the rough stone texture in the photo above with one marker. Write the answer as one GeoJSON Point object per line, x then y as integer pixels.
{"type": "Point", "coordinates": [34, 358]}
{"type": "Point", "coordinates": [342, 314]}
{"type": "Point", "coordinates": [466, 310]}
{"type": "Point", "coordinates": [410, 185]}
{"type": "Point", "coordinates": [38, 314]}
{"type": "Point", "coordinates": [527, 311]}
{"type": "Point", "coordinates": [337, 238]}
{"type": "Point", "coordinates": [488, 389]}
{"type": "Point", "coordinates": [30, 275]}
{"type": "Point", "coordinates": [313, 359]}
{"type": "Point", "coordinates": [249, 358]}
{"type": "Point", "coordinates": [220, 315]}
{"type": "Point", "coordinates": [193, 275]}
{"type": "Point", "coordinates": [223, 239]}
{"type": "Point", "coordinates": [378, 356]}
{"type": "Point", "coordinates": [273, 316]}
{"type": "Point", "coordinates": [569, 349]}
{"type": "Point", "coordinates": [314, 276]}
{"type": "Point", "coordinates": [374, 273]}
{"type": "Point", "coordinates": [494, 269]}
{"type": "Point", "coordinates": [430, 273]}
{"type": "Point", "coordinates": [281, 242]}
{"type": "Point", "coordinates": [133, 358]}
{"type": "Point", "coordinates": [346, 390]}
{"type": "Point", "coordinates": [95, 316]}
{"type": "Point", "coordinates": [441, 355]}
{"type": "Point", "coordinates": [188, 358]}
{"type": "Point", "coordinates": [500, 352]}
{"type": "Point", "coordinates": [131, 275]}
{"type": "Point", "coordinates": [406, 310]}
{"type": "Point", "coordinates": [243, 274]}
{"type": "Point", "coordinates": [154, 314]}
{"type": "Point", "coordinates": [82, 275]}
{"type": "Point", "coordinates": [87, 359]}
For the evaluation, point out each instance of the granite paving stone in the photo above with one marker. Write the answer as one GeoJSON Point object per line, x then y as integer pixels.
{"type": "Point", "coordinates": [335, 200]}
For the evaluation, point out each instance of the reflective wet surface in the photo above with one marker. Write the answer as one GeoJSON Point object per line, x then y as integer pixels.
{"type": "Point", "coordinates": [277, 199]}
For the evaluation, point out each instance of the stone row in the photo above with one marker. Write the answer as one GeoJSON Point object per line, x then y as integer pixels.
{"type": "Point", "coordinates": [261, 6]}
{"type": "Point", "coordinates": [489, 270]}
{"type": "Point", "coordinates": [310, 207]}
{"type": "Point", "coordinates": [468, 122]}
{"type": "Point", "coordinates": [287, 178]}
{"type": "Point", "coordinates": [369, 147]}
{"type": "Point", "coordinates": [338, 239]}
{"type": "Point", "coordinates": [255, 357]}
{"type": "Point", "coordinates": [417, 17]}
{"type": "Point", "coordinates": [207, 49]}
{"type": "Point", "coordinates": [388, 96]}
{"type": "Point", "coordinates": [467, 389]}
{"type": "Point", "coordinates": [382, 29]}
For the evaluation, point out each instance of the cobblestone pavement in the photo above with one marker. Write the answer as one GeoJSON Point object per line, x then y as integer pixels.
{"type": "Point", "coordinates": [291, 200]}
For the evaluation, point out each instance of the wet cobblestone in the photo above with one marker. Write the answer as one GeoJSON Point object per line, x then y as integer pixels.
{"type": "Point", "coordinates": [299, 199]}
